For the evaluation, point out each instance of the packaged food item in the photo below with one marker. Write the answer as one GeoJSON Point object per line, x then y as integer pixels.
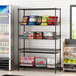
{"type": "Point", "coordinates": [69, 49]}
{"type": "Point", "coordinates": [40, 62]}
{"type": "Point", "coordinates": [30, 35]}
{"type": "Point", "coordinates": [69, 61]}
{"type": "Point", "coordinates": [38, 35]}
{"type": "Point", "coordinates": [32, 20]}
{"type": "Point", "coordinates": [25, 20]}
{"type": "Point", "coordinates": [51, 63]}
{"type": "Point", "coordinates": [74, 61]}
{"type": "Point", "coordinates": [51, 20]}
{"type": "Point", "coordinates": [65, 60]}
{"type": "Point", "coordinates": [25, 35]}
{"type": "Point", "coordinates": [49, 35]}
{"type": "Point", "coordinates": [39, 20]}
{"type": "Point", "coordinates": [27, 61]}
{"type": "Point", "coordinates": [44, 20]}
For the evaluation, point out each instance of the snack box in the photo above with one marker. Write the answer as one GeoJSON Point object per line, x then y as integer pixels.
{"type": "Point", "coordinates": [51, 63]}
{"type": "Point", "coordinates": [40, 62]}
{"type": "Point", "coordinates": [25, 20]}
{"type": "Point", "coordinates": [51, 20]}
{"type": "Point", "coordinates": [27, 60]}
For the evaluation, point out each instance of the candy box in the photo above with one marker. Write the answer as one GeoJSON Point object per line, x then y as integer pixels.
{"type": "Point", "coordinates": [25, 20]}
{"type": "Point", "coordinates": [27, 61]}
{"type": "Point", "coordinates": [51, 20]}
{"type": "Point", "coordinates": [40, 62]}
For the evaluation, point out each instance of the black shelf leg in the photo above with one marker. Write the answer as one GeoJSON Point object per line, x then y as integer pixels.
{"type": "Point", "coordinates": [18, 40]}
{"type": "Point", "coordinates": [55, 41]}
{"type": "Point", "coordinates": [60, 39]}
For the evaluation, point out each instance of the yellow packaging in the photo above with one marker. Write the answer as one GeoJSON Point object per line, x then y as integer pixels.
{"type": "Point", "coordinates": [44, 20]}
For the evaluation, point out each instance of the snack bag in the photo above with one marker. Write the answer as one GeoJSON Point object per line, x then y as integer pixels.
{"type": "Point", "coordinates": [49, 35]}
{"type": "Point", "coordinates": [38, 35]}
{"type": "Point", "coordinates": [39, 20]}
{"type": "Point", "coordinates": [69, 61]}
{"type": "Point", "coordinates": [44, 20]}
{"type": "Point", "coordinates": [30, 35]}
{"type": "Point", "coordinates": [25, 20]}
{"type": "Point", "coordinates": [65, 60]}
{"type": "Point", "coordinates": [22, 60]}
{"type": "Point", "coordinates": [25, 35]}
{"type": "Point", "coordinates": [51, 20]}
{"type": "Point", "coordinates": [32, 20]}
{"type": "Point", "coordinates": [74, 61]}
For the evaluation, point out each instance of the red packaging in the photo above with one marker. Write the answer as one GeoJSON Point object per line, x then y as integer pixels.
{"type": "Point", "coordinates": [40, 60]}
{"type": "Point", "coordinates": [27, 60]}
{"type": "Point", "coordinates": [51, 20]}
{"type": "Point", "coordinates": [38, 35]}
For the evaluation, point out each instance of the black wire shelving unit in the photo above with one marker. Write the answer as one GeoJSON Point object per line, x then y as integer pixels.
{"type": "Point", "coordinates": [54, 51]}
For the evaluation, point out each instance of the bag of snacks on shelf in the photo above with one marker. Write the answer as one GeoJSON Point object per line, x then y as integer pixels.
{"type": "Point", "coordinates": [44, 20]}
{"type": "Point", "coordinates": [39, 20]}
{"type": "Point", "coordinates": [25, 20]}
{"type": "Point", "coordinates": [51, 20]}
{"type": "Point", "coordinates": [25, 35]}
{"type": "Point", "coordinates": [74, 61]}
{"type": "Point", "coordinates": [49, 35]}
{"type": "Point", "coordinates": [32, 20]}
{"type": "Point", "coordinates": [40, 62]}
{"type": "Point", "coordinates": [30, 35]}
{"type": "Point", "coordinates": [69, 61]}
{"type": "Point", "coordinates": [65, 60]}
{"type": "Point", "coordinates": [38, 35]}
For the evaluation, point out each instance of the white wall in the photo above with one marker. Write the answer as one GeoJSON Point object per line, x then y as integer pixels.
{"type": "Point", "coordinates": [63, 4]}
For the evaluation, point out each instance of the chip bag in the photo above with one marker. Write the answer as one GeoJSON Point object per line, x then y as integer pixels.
{"type": "Point", "coordinates": [51, 20]}
{"type": "Point", "coordinates": [25, 20]}
{"type": "Point", "coordinates": [32, 20]}
{"type": "Point", "coordinates": [44, 20]}
{"type": "Point", "coordinates": [39, 20]}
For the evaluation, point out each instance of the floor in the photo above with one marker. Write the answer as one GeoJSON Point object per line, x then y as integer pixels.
{"type": "Point", "coordinates": [37, 72]}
